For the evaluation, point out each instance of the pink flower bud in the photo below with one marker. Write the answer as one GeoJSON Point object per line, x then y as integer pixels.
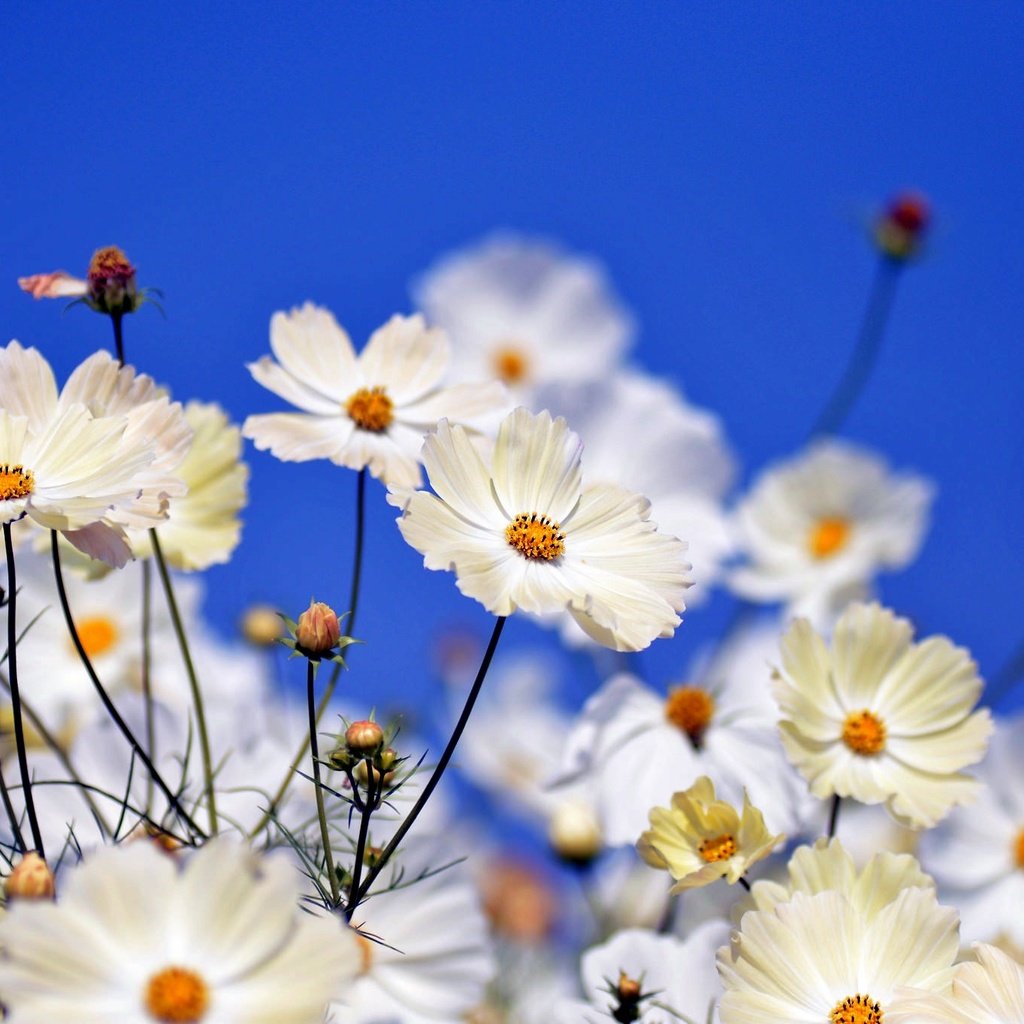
{"type": "Point", "coordinates": [318, 630]}
{"type": "Point", "coordinates": [364, 737]}
{"type": "Point", "coordinates": [111, 280]}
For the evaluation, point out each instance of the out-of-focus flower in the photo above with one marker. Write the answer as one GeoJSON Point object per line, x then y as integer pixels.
{"type": "Point", "coordinates": [819, 958]}
{"type": "Point", "coordinates": [58, 284]}
{"type": "Point", "coordinates": [367, 411]}
{"type": "Point", "coordinates": [900, 229]}
{"type": "Point", "coordinates": [523, 312]}
{"type": "Point", "coordinates": [988, 991]}
{"type": "Point", "coordinates": [700, 839]}
{"type": "Point", "coordinates": [133, 939]}
{"type": "Point", "coordinates": [879, 718]}
{"type": "Point", "coordinates": [817, 529]}
{"type": "Point", "coordinates": [520, 902]}
{"type": "Point", "coordinates": [977, 853]}
{"type": "Point", "coordinates": [30, 879]}
{"type": "Point", "coordinates": [574, 831]}
{"type": "Point", "coordinates": [261, 625]}
{"type": "Point", "coordinates": [526, 534]}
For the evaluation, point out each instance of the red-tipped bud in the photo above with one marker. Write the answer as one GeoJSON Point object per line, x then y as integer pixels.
{"type": "Point", "coordinates": [628, 989]}
{"type": "Point", "coordinates": [30, 879]}
{"type": "Point", "coordinates": [318, 630]}
{"type": "Point", "coordinates": [111, 282]}
{"type": "Point", "coordinates": [364, 737]}
{"type": "Point", "coordinates": [900, 230]}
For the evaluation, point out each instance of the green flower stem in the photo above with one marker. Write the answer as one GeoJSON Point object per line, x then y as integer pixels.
{"type": "Point", "coordinates": [439, 770]}
{"type": "Point", "coordinates": [369, 807]}
{"type": "Point", "coordinates": [12, 661]}
{"type": "Point", "coordinates": [193, 680]}
{"type": "Point", "coordinates": [325, 835]}
{"type": "Point", "coordinates": [108, 704]}
{"type": "Point", "coordinates": [115, 319]}
{"type": "Point", "coordinates": [147, 659]}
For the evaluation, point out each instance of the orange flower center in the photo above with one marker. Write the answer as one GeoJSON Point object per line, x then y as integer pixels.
{"type": "Point", "coordinates": [15, 482]}
{"type": "Point", "coordinates": [511, 364]}
{"type": "Point", "coordinates": [689, 708]}
{"type": "Point", "coordinates": [719, 848]}
{"type": "Point", "coordinates": [1018, 849]}
{"type": "Point", "coordinates": [856, 1009]}
{"type": "Point", "coordinates": [98, 634]}
{"type": "Point", "coordinates": [535, 536]}
{"type": "Point", "coordinates": [177, 996]}
{"type": "Point", "coordinates": [371, 409]}
{"type": "Point", "coordinates": [864, 734]}
{"type": "Point", "coordinates": [828, 536]}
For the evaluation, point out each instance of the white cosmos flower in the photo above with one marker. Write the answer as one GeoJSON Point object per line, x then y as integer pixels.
{"type": "Point", "coordinates": [525, 313]}
{"type": "Point", "coordinates": [135, 938]}
{"type": "Point", "coordinates": [817, 529]}
{"type": "Point", "coordinates": [819, 959]}
{"type": "Point", "coordinates": [977, 853]}
{"type": "Point", "coordinates": [879, 718]}
{"type": "Point", "coordinates": [366, 411]}
{"type": "Point", "coordinates": [989, 991]}
{"type": "Point", "coordinates": [525, 533]}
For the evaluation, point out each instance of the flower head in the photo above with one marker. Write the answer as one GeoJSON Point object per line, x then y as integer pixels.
{"type": "Point", "coordinates": [318, 630]}
{"type": "Point", "coordinates": [526, 534]}
{"type": "Point", "coordinates": [111, 279]}
{"type": "Point", "coordinates": [900, 229]}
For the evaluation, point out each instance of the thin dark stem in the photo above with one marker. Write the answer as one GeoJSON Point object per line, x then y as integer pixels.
{"type": "Point", "coordinates": [12, 661]}
{"type": "Point", "coordinates": [108, 704]}
{"type": "Point", "coordinates": [865, 352]}
{"type": "Point", "coordinates": [357, 560]}
{"type": "Point", "coordinates": [115, 319]}
{"type": "Point", "coordinates": [12, 817]}
{"type": "Point", "coordinates": [364, 829]}
{"type": "Point", "coordinates": [147, 686]}
{"type": "Point", "coordinates": [744, 883]}
{"type": "Point", "coordinates": [833, 817]}
{"type": "Point", "coordinates": [439, 770]}
{"type": "Point", "coordinates": [325, 835]}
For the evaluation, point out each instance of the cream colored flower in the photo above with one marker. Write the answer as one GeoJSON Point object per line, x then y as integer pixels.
{"type": "Point", "coordinates": [370, 410]}
{"type": "Point", "coordinates": [526, 534]}
{"type": "Point", "coordinates": [700, 839]}
{"type": "Point", "coordinates": [879, 718]}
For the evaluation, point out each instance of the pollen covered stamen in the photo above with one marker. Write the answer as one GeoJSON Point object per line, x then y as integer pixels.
{"type": "Point", "coordinates": [864, 733]}
{"type": "Point", "coordinates": [15, 482]}
{"type": "Point", "coordinates": [719, 848]}
{"type": "Point", "coordinates": [535, 536]}
{"type": "Point", "coordinates": [511, 364]}
{"type": "Point", "coordinates": [689, 709]}
{"type": "Point", "coordinates": [371, 409]}
{"type": "Point", "coordinates": [857, 1009]}
{"type": "Point", "coordinates": [828, 536]}
{"type": "Point", "coordinates": [177, 996]}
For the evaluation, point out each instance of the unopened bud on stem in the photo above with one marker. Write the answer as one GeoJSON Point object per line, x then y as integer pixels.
{"type": "Point", "coordinates": [30, 879]}
{"type": "Point", "coordinates": [318, 630]}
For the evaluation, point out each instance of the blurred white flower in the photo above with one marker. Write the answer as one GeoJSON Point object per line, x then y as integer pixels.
{"type": "Point", "coordinates": [879, 718]}
{"type": "Point", "coordinates": [136, 939]}
{"type": "Point", "coordinates": [366, 411]}
{"type": "Point", "coordinates": [524, 313]}
{"type": "Point", "coordinates": [817, 529]}
{"type": "Point", "coordinates": [526, 534]}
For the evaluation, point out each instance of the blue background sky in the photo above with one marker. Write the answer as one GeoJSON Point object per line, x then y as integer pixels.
{"type": "Point", "coordinates": [718, 158]}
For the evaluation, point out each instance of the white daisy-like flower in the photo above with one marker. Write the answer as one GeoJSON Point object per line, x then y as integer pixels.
{"type": "Point", "coordinates": [819, 959]}
{"type": "Point", "coordinates": [988, 991]}
{"type": "Point", "coordinates": [523, 312]}
{"type": "Point", "coordinates": [879, 718]}
{"type": "Point", "coordinates": [526, 534]}
{"type": "Point", "coordinates": [649, 972]}
{"type": "Point", "coordinates": [637, 746]}
{"type": "Point", "coordinates": [135, 939]}
{"type": "Point", "coordinates": [366, 411]}
{"type": "Point", "coordinates": [817, 529]}
{"type": "Point", "coordinates": [977, 853]}
{"type": "Point", "coordinates": [641, 434]}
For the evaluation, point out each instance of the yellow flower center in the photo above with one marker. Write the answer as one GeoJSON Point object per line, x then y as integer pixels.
{"type": "Point", "coordinates": [856, 1009]}
{"type": "Point", "coordinates": [535, 536]}
{"type": "Point", "coordinates": [371, 409]}
{"type": "Point", "coordinates": [15, 482]}
{"type": "Point", "coordinates": [719, 848]}
{"type": "Point", "coordinates": [511, 364]}
{"type": "Point", "coordinates": [828, 536]}
{"type": "Point", "coordinates": [864, 734]}
{"type": "Point", "coordinates": [177, 996]}
{"type": "Point", "coordinates": [689, 708]}
{"type": "Point", "coordinates": [98, 634]}
{"type": "Point", "coordinates": [1018, 849]}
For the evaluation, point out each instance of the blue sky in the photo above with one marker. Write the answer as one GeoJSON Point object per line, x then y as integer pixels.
{"type": "Point", "coordinates": [720, 159]}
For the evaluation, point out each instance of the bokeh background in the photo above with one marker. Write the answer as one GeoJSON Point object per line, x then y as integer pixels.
{"type": "Point", "coordinates": [721, 161]}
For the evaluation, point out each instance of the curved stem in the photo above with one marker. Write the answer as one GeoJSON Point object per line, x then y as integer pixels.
{"type": "Point", "coordinates": [12, 661]}
{"type": "Point", "coordinates": [435, 778]}
{"type": "Point", "coordinates": [325, 835]}
{"type": "Point", "coordinates": [193, 681]}
{"type": "Point", "coordinates": [108, 704]}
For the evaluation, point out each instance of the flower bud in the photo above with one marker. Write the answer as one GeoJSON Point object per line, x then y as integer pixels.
{"type": "Point", "coordinates": [30, 879]}
{"type": "Point", "coordinates": [364, 737]}
{"type": "Point", "coordinates": [387, 759]}
{"type": "Point", "coordinates": [899, 231]}
{"type": "Point", "coordinates": [261, 625]}
{"type": "Point", "coordinates": [574, 832]}
{"type": "Point", "coordinates": [111, 282]}
{"type": "Point", "coordinates": [362, 776]}
{"type": "Point", "coordinates": [318, 629]}
{"type": "Point", "coordinates": [340, 759]}
{"type": "Point", "coordinates": [627, 988]}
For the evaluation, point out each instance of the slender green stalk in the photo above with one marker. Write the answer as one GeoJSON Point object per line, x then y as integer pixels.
{"type": "Point", "coordinates": [147, 663]}
{"type": "Point", "coordinates": [108, 704]}
{"type": "Point", "coordinates": [370, 805]}
{"type": "Point", "coordinates": [332, 683]}
{"type": "Point", "coordinates": [12, 662]}
{"type": "Point", "coordinates": [325, 835]}
{"type": "Point", "coordinates": [193, 680]}
{"type": "Point", "coordinates": [12, 817]}
{"type": "Point", "coordinates": [439, 770]}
